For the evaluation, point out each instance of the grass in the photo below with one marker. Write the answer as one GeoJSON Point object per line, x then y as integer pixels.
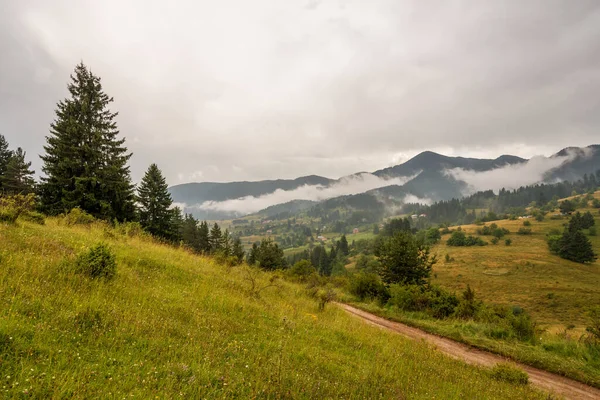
{"type": "Point", "coordinates": [555, 291]}
{"type": "Point", "coordinates": [174, 325]}
{"type": "Point", "coordinates": [555, 353]}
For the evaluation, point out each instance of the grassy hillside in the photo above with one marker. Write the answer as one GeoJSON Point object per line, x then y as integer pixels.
{"type": "Point", "coordinates": [175, 325]}
{"type": "Point", "coordinates": [555, 291]}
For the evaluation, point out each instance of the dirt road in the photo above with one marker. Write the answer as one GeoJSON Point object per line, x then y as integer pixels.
{"type": "Point", "coordinates": [544, 380]}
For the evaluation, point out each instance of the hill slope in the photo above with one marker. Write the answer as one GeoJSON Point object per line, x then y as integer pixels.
{"type": "Point", "coordinates": [172, 324]}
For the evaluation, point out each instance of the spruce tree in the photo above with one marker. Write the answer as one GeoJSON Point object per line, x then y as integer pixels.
{"type": "Point", "coordinates": [575, 246]}
{"type": "Point", "coordinates": [238, 250]}
{"type": "Point", "coordinates": [190, 233]}
{"type": "Point", "coordinates": [344, 246]}
{"type": "Point", "coordinates": [17, 178]}
{"type": "Point", "coordinates": [5, 155]}
{"type": "Point", "coordinates": [85, 161]}
{"type": "Point", "coordinates": [203, 239]}
{"type": "Point", "coordinates": [155, 202]}
{"type": "Point", "coordinates": [215, 239]}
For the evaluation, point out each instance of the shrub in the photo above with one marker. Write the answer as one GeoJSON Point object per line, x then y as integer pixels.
{"type": "Point", "coordinates": [495, 240]}
{"type": "Point", "coordinates": [524, 231]}
{"type": "Point", "coordinates": [592, 231]}
{"type": "Point", "coordinates": [526, 223]}
{"type": "Point", "coordinates": [459, 238]}
{"type": "Point", "coordinates": [508, 242]}
{"type": "Point", "coordinates": [11, 207]}
{"type": "Point", "coordinates": [302, 270]}
{"type": "Point", "coordinates": [78, 217]}
{"type": "Point", "coordinates": [368, 286]}
{"type": "Point", "coordinates": [508, 373]}
{"type": "Point", "coordinates": [97, 262]}
{"type": "Point", "coordinates": [433, 300]}
{"type": "Point", "coordinates": [35, 217]}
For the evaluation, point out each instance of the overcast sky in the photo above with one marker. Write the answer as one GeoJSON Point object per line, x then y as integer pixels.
{"type": "Point", "coordinates": [244, 90]}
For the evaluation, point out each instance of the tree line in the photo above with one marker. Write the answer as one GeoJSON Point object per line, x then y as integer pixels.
{"type": "Point", "coordinates": [86, 166]}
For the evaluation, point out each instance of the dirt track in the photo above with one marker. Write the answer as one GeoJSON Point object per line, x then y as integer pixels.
{"type": "Point", "coordinates": [544, 380]}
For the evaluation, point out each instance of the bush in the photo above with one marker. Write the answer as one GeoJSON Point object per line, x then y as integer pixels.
{"type": "Point", "coordinates": [368, 286]}
{"type": "Point", "coordinates": [78, 217]}
{"type": "Point", "coordinates": [11, 207]}
{"type": "Point", "coordinates": [508, 373]}
{"type": "Point", "coordinates": [526, 223]}
{"type": "Point", "coordinates": [459, 238]}
{"type": "Point", "coordinates": [495, 240]}
{"type": "Point", "coordinates": [433, 300]}
{"type": "Point", "coordinates": [35, 217]}
{"type": "Point", "coordinates": [302, 270]}
{"type": "Point", "coordinates": [508, 242]}
{"type": "Point", "coordinates": [97, 262]}
{"type": "Point", "coordinates": [592, 231]}
{"type": "Point", "coordinates": [524, 231]}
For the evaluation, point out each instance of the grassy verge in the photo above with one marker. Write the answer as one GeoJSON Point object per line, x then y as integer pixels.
{"type": "Point", "coordinates": [174, 325]}
{"type": "Point", "coordinates": [561, 355]}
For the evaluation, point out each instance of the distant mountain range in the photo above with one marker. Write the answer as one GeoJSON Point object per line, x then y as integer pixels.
{"type": "Point", "coordinates": [428, 175]}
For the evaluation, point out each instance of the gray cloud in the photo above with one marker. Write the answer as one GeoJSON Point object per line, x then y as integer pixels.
{"type": "Point", "coordinates": [237, 90]}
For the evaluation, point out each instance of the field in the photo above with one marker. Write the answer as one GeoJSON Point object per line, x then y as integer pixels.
{"type": "Point", "coordinates": [555, 291]}
{"type": "Point", "coordinates": [175, 325]}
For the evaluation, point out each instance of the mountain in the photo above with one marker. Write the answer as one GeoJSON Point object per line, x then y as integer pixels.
{"type": "Point", "coordinates": [198, 193]}
{"type": "Point", "coordinates": [423, 178]}
{"type": "Point", "coordinates": [429, 160]}
{"type": "Point", "coordinates": [580, 161]}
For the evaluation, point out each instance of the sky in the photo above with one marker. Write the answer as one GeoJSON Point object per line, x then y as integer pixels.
{"type": "Point", "coordinates": [266, 89]}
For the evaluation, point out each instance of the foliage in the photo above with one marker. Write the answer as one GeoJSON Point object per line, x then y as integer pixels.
{"type": "Point", "coordinates": [85, 162]}
{"type": "Point", "coordinates": [12, 207]}
{"type": "Point", "coordinates": [154, 200]}
{"type": "Point", "coordinates": [367, 286]}
{"type": "Point", "coordinates": [5, 156]}
{"type": "Point", "coordinates": [509, 373]}
{"type": "Point", "coordinates": [77, 216]}
{"type": "Point", "coordinates": [459, 238]}
{"type": "Point", "coordinates": [524, 231]}
{"type": "Point", "coordinates": [431, 299]}
{"type": "Point", "coordinates": [404, 260]}
{"type": "Point", "coordinates": [268, 255]}
{"type": "Point", "coordinates": [526, 223]}
{"type": "Point", "coordinates": [508, 242]}
{"type": "Point", "coordinates": [17, 177]}
{"type": "Point", "coordinates": [98, 262]}
{"type": "Point", "coordinates": [34, 217]}
{"type": "Point", "coordinates": [567, 207]}
{"type": "Point", "coordinates": [593, 327]}
{"type": "Point", "coordinates": [572, 245]}
{"type": "Point", "coordinates": [302, 270]}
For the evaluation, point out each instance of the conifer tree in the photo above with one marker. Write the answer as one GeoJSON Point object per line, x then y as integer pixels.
{"type": "Point", "coordinates": [204, 243]}
{"type": "Point", "coordinates": [238, 250]}
{"type": "Point", "coordinates": [5, 155]}
{"type": "Point", "coordinates": [226, 243]}
{"type": "Point", "coordinates": [85, 162]}
{"type": "Point", "coordinates": [155, 202]}
{"type": "Point", "coordinates": [17, 178]}
{"type": "Point", "coordinates": [215, 239]}
{"type": "Point", "coordinates": [575, 246]}
{"type": "Point", "coordinates": [190, 233]}
{"type": "Point", "coordinates": [344, 246]}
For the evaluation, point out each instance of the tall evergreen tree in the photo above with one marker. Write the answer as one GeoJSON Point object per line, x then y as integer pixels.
{"type": "Point", "coordinates": [85, 161]}
{"type": "Point", "coordinates": [215, 239]}
{"type": "Point", "coordinates": [155, 202]}
{"type": "Point", "coordinates": [17, 178]}
{"type": "Point", "coordinates": [575, 246]}
{"type": "Point", "coordinates": [5, 155]}
{"type": "Point", "coordinates": [190, 233]}
{"type": "Point", "coordinates": [344, 246]}
{"type": "Point", "coordinates": [203, 239]}
{"type": "Point", "coordinates": [238, 250]}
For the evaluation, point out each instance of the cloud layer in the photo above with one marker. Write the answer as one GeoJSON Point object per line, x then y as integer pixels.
{"type": "Point", "coordinates": [346, 186]}
{"type": "Point", "coordinates": [510, 176]}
